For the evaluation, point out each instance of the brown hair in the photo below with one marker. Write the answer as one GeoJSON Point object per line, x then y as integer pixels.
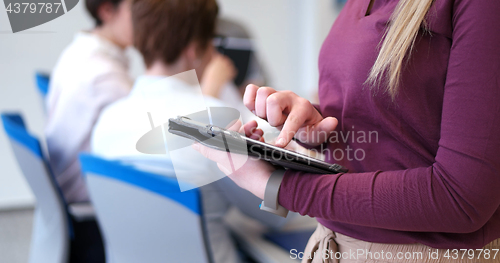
{"type": "Point", "coordinates": [93, 8]}
{"type": "Point", "coordinates": [164, 28]}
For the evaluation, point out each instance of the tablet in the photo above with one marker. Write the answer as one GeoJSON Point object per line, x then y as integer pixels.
{"type": "Point", "coordinates": [231, 141]}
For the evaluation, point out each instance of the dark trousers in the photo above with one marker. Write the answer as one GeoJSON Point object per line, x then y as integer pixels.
{"type": "Point", "coordinates": [86, 245]}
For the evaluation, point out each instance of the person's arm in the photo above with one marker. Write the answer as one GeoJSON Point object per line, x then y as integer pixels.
{"type": "Point", "coordinates": [248, 204]}
{"type": "Point", "coordinates": [459, 192]}
{"type": "Point", "coordinates": [75, 113]}
{"type": "Point", "coordinates": [219, 71]}
{"type": "Point", "coordinates": [111, 84]}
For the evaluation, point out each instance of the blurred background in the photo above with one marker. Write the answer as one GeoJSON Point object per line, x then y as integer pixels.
{"type": "Point", "coordinates": [287, 35]}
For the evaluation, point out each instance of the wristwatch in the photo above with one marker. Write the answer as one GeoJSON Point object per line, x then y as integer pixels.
{"type": "Point", "coordinates": [270, 203]}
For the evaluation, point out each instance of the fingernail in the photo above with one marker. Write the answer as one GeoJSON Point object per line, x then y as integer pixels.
{"type": "Point", "coordinates": [280, 142]}
{"type": "Point", "coordinates": [196, 146]}
{"type": "Point", "coordinates": [254, 112]}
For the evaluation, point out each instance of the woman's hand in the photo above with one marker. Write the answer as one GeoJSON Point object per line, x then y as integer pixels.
{"type": "Point", "coordinates": [254, 174]}
{"type": "Point", "coordinates": [295, 116]}
{"type": "Point", "coordinates": [219, 71]}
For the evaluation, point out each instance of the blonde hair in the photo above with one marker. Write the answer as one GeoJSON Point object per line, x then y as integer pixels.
{"type": "Point", "coordinates": [400, 36]}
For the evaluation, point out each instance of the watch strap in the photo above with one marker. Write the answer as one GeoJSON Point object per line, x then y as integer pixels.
{"type": "Point", "coordinates": [270, 203]}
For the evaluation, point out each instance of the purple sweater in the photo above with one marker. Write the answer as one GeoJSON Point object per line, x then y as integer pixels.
{"type": "Point", "coordinates": [427, 169]}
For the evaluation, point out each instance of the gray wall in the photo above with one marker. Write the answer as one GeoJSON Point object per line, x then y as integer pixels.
{"type": "Point", "coordinates": [288, 34]}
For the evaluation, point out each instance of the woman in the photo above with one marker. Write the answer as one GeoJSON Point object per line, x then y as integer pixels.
{"type": "Point", "coordinates": [423, 78]}
{"type": "Point", "coordinates": [91, 73]}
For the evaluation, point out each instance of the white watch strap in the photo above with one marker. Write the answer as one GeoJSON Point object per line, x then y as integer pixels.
{"type": "Point", "coordinates": [270, 203]}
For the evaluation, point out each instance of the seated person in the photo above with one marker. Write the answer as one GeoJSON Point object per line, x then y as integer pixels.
{"type": "Point", "coordinates": [214, 81]}
{"type": "Point", "coordinates": [91, 73]}
{"type": "Point", "coordinates": [220, 78]}
{"type": "Point", "coordinates": [242, 41]}
{"type": "Point", "coordinates": [173, 37]}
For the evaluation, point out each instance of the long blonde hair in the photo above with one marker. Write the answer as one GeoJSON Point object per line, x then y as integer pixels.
{"type": "Point", "coordinates": [400, 36]}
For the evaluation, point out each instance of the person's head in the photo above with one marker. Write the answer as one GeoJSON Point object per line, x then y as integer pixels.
{"type": "Point", "coordinates": [113, 18]}
{"type": "Point", "coordinates": [406, 21]}
{"type": "Point", "coordinates": [175, 32]}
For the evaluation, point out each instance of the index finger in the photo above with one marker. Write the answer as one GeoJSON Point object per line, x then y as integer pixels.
{"type": "Point", "coordinates": [293, 122]}
{"type": "Point", "coordinates": [249, 97]}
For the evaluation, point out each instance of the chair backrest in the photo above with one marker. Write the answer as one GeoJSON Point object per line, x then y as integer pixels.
{"type": "Point", "coordinates": [42, 82]}
{"type": "Point", "coordinates": [50, 239]}
{"type": "Point", "coordinates": [143, 216]}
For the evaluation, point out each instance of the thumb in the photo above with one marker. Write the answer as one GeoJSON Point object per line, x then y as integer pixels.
{"type": "Point", "coordinates": [318, 133]}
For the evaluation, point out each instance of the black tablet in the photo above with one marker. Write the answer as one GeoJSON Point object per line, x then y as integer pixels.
{"type": "Point", "coordinates": [231, 141]}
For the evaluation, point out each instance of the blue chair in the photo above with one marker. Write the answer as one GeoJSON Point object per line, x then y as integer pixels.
{"type": "Point", "coordinates": [143, 216]}
{"type": "Point", "coordinates": [42, 82]}
{"type": "Point", "coordinates": [61, 232]}
{"type": "Point", "coordinates": [50, 240]}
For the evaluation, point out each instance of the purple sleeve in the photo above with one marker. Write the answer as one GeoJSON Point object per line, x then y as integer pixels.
{"type": "Point", "coordinates": [460, 192]}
